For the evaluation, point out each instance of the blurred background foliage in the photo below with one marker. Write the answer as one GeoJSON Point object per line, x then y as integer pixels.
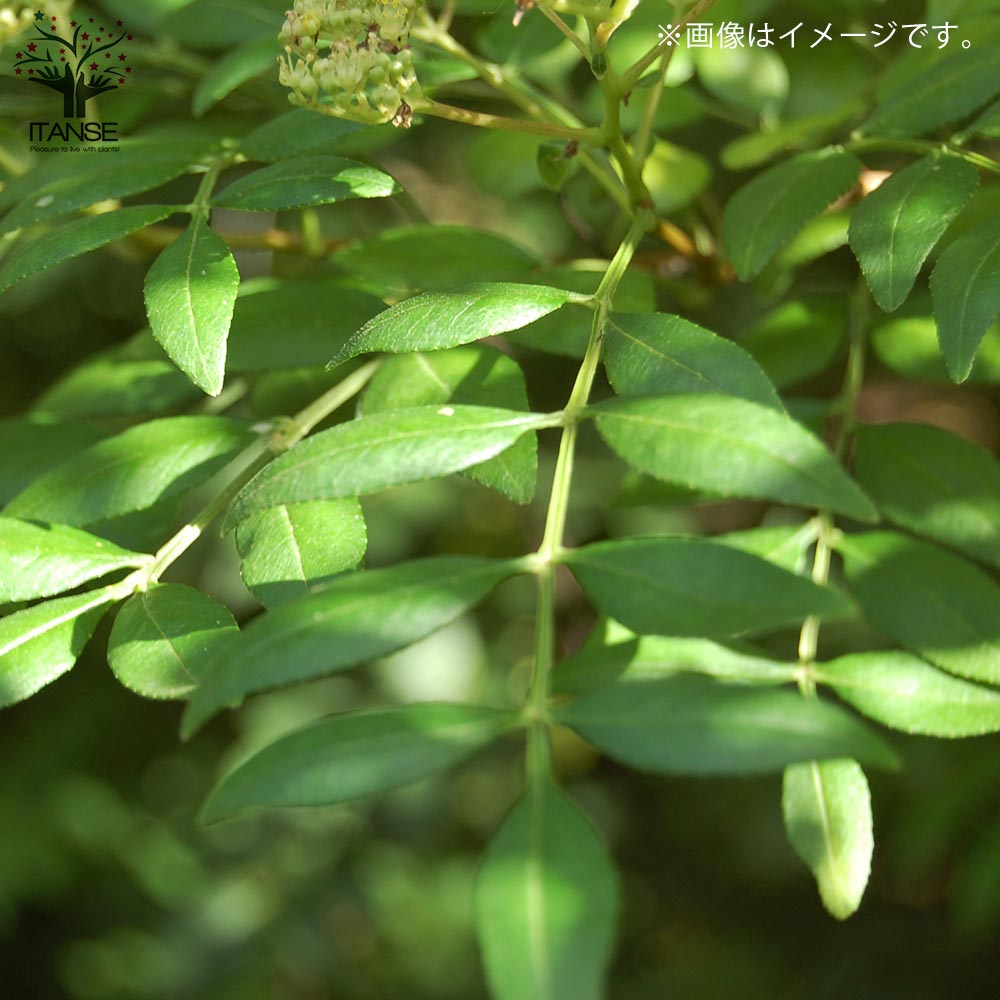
{"type": "Point", "coordinates": [109, 889]}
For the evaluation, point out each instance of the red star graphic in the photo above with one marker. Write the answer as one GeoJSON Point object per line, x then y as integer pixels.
{"type": "Point", "coordinates": [18, 55]}
{"type": "Point", "coordinates": [31, 72]}
{"type": "Point", "coordinates": [128, 38]}
{"type": "Point", "coordinates": [18, 72]}
{"type": "Point", "coordinates": [85, 36]}
{"type": "Point", "coordinates": [53, 17]}
{"type": "Point", "coordinates": [121, 79]}
{"type": "Point", "coordinates": [93, 65]}
{"type": "Point", "coordinates": [62, 52]}
{"type": "Point", "coordinates": [118, 23]}
{"type": "Point", "coordinates": [121, 58]}
{"type": "Point", "coordinates": [107, 55]}
{"type": "Point", "coordinates": [98, 38]}
{"type": "Point", "coordinates": [72, 24]}
{"type": "Point", "coordinates": [91, 20]}
{"type": "Point", "coordinates": [62, 59]}
{"type": "Point", "coordinates": [32, 47]}
{"type": "Point", "coordinates": [128, 69]}
{"type": "Point", "coordinates": [102, 27]}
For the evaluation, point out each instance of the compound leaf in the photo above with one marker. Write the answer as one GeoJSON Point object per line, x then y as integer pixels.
{"type": "Point", "coordinates": [385, 449]}
{"type": "Point", "coordinates": [902, 692]}
{"type": "Point", "coordinates": [546, 902]}
{"type": "Point", "coordinates": [303, 182]}
{"type": "Point", "coordinates": [828, 817]}
{"type": "Point", "coordinates": [476, 375]}
{"type": "Point", "coordinates": [897, 225]}
{"type": "Point", "coordinates": [653, 354]}
{"type": "Point", "coordinates": [160, 637]}
{"type": "Point", "coordinates": [695, 587]}
{"type": "Point", "coordinates": [79, 237]}
{"type": "Point", "coordinates": [39, 560]}
{"type": "Point", "coordinates": [927, 599]}
{"type": "Point", "coordinates": [41, 643]}
{"type": "Point", "coordinates": [940, 94]}
{"type": "Point", "coordinates": [766, 213]}
{"type": "Point", "coordinates": [190, 294]}
{"type": "Point", "coordinates": [965, 289]}
{"type": "Point", "coordinates": [695, 725]}
{"type": "Point", "coordinates": [356, 618]}
{"type": "Point", "coordinates": [355, 755]}
{"type": "Point", "coordinates": [132, 470]}
{"type": "Point", "coordinates": [729, 446]}
{"type": "Point", "coordinates": [287, 550]}
{"type": "Point", "coordinates": [934, 483]}
{"type": "Point", "coordinates": [436, 320]}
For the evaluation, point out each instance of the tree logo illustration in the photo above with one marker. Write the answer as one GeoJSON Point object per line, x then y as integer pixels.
{"type": "Point", "coordinates": [78, 66]}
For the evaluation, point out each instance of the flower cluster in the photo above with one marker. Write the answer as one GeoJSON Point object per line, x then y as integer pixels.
{"type": "Point", "coordinates": [351, 58]}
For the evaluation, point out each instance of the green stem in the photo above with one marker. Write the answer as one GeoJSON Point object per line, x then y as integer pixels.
{"type": "Point", "coordinates": [632, 75]}
{"type": "Point", "coordinates": [547, 557]}
{"type": "Point", "coordinates": [250, 461]}
{"type": "Point", "coordinates": [525, 96]}
{"type": "Point", "coordinates": [479, 119]}
{"type": "Point", "coordinates": [845, 404]}
{"type": "Point", "coordinates": [565, 29]}
{"type": "Point", "coordinates": [921, 147]}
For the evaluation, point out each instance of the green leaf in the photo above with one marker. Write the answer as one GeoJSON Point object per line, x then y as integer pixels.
{"type": "Point", "coordinates": [785, 545]}
{"type": "Point", "coordinates": [693, 586]}
{"type": "Point", "coordinates": [546, 903]}
{"type": "Point", "coordinates": [316, 316]}
{"type": "Point", "coordinates": [903, 692]}
{"type": "Point", "coordinates": [287, 550]}
{"type": "Point", "coordinates": [436, 320]}
{"type": "Point", "coordinates": [729, 446]}
{"type": "Point", "coordinates": [30, 448]}
{"type": "Point", "coordinates": [160, 637]}
{"type": "Point", "coordinates": [41, 643]}
{"type": "Point", "coordinates": [354, 619]}
{"type": "Point", "coordinates": [385, 449]}
{"type": "Point", "coordinates": [796, 340]}
{"type": "Point", "coordinates": [675, 176]}
{"type": "Point", "coordinates": [985, 126]}
{"type": "Point", "coordinates": [766, 213]}
{"type": "Point", "coordinates": [190, 292]}
{"type": "Point", "coordinates": [135, 169]}
{"type": "Point", "coordinates": [696, 725]}
{"type": "Point", "coordinates": [828, 817]}
{"type": "Point", "coordinates": [933, 483]}
{"type": "Point", "coordinates": [132, 470]}
{"type": "Point", "coordinates": [354, 755]}
{"type": "Point", "coordinates": [303, 182]}
{"type": "Point", "coordinates": [567, 331]}
{"type": "Point", "coordinates": [895, 228]}
{"type": "Point", "coordinates": [39, 560]}
{"type": "Point", "coordinates": [302, 131]}
{"type": "Point", "coordinates": [615, 653]}
{"type": "Point", "coordinates": [233, 69]}
{"type": "Point", "coordinates": [652, 354]}
{"type": "Point", "coordinates": [965, 287]}
{"type": "Point", "coordinates": [927, 599]}
{"type": "Point", "coordinates": [909, 346]}
{"type": "Point", "coordinates": [476, 375]}
{"type": "Point", "coordinates": [422, 258]}
{"type": "Point", "coordinates": [132, 378]}
{"type": "Point", "coordinates": [942, 93]}
{"type": "Point", "coordinates": [755, 148]}
{"type": "Point", "coordinates": [78, 238]}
